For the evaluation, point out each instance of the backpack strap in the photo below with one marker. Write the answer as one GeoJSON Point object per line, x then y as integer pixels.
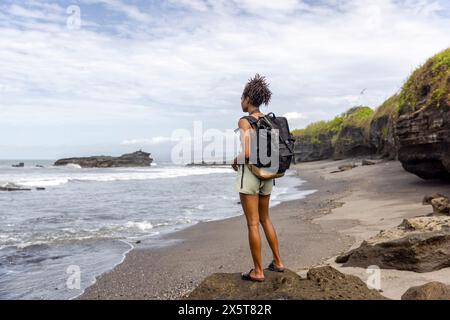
{"type": "Point", "coordinates": [251, 120]}
{"type": "Point", "coordinates": [242, 177]}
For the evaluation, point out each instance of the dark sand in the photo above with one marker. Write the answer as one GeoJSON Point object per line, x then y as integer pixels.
{"type": "Point", "coordinates": [347, 208]}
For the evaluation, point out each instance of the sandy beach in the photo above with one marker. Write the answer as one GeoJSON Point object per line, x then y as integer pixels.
{"type": "Point", "coordinates": [347, 208]}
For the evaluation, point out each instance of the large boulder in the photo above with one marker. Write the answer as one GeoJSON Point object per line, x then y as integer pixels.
{"type": "Point", "coordinates": [423, 126]}
{"type": "Point", "coordinates": [429, 291]}
{"type": "Point", "coordinates": [440, 204]}
{"type": "Point", "coordinates": [420, 244]}
{"type": "Point", "coordinates": [323, 283]}
{"type": "Point", "coordinates": [135, 159]}
{"type": "Point", "coordinates": [353, 138]}
{"type": "Point", "coordinates": [382, 129]}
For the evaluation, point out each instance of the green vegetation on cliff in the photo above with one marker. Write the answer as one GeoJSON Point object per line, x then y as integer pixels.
{"type": "Point", "coordinates": [428, 85]}
{"type": "Point", "coordinates": [358, 117]}
{"type": "Point", "coordinates": [389, 108]}
{"type": "Point", "coordinates": [321, 128]}
{"type": "Point", "coordinates": [355, 117]}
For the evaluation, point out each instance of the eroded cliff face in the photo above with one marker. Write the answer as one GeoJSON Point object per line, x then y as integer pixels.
{"type": "Point", "coordinates": [382, 133]}
{"type": "Point", "coordinates": [424, 138]}
{"type": "Point", "coordinates": [306, 149]}
{"type": "Point", "coordinates": [345, 136]}
{"type": "Point", "coordinates": [352, 141]}
{"type": "Point", "coordinates": [423, 126]}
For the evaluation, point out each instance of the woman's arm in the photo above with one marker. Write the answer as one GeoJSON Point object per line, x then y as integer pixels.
{"type": "Point", "coordinates": [245, 130]}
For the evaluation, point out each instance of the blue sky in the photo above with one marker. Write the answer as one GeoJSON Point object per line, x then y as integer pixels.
{"type": "Point", "coordinates": [137, 70]}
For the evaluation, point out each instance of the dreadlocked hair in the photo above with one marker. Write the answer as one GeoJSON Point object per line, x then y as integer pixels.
{"type": "Point", "coordinates": [257, 89]}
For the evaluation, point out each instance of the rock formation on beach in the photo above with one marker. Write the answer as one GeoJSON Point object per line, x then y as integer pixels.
{"type": "Point", "coordinates": [135, 159]}
{"type": "Point", "coordinates": [413, 126]}
{"type": "Point", "coordinates": [430, 291]}
{"type": "Point", "coordinates": [420, 244]}
{"type": "Point", "coordinates": [439, 202]}
{"type": "Point", "coordinates": [423, 126]}
{"type": "Point", "coordinates": [324, 283]}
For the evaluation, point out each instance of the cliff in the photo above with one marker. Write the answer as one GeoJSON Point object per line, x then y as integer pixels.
{"type": "Point", "coordinates": [382, 129]}
{"type": "Point", "coordinates": [423, 126]}
{"type": "Point", "coordinates": [135, 159]}
{"type": "Point", "coordinates": [412, 126]}
{"type": "Point", "coordinates": [315, 142]}
{"type": "Point", "coordinates": [346, 135]}
{"type": "Point", "coordinates": [352, 139]}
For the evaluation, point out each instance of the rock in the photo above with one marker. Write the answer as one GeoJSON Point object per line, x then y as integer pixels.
{"type": "Point", "coordinates": [423, 126]}
{"type": "Point", "coordinates": [40, 189]}
{"type": "Point", "coordinates": [347, 167]}
{"type": "Point", "coordinates": [308, 148]}
{"type": "Point", "coordinates": [13, 187]}
{"type": "Point", "coordinates": [382, 129]}
{"type": "Point", "coordinates": [440, 204]}
{"type": "Point", "coordinates": [368, 162]}
{"type": "Point", "coordinates": [420, 244]}
{"type": "Point", "coordinates": [135, 159]}
{"type": "Point", "coordinates": [19, 165]}
{"type": "Point", "coordinates": [429, 291]}
{"type": "Point", "coordinates": [323, 283]}
{"type": "Point", "coordinates": [427, 199]}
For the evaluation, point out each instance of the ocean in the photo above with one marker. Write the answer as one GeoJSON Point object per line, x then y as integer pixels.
{"type": "Point", "coordinates": [86, 220]}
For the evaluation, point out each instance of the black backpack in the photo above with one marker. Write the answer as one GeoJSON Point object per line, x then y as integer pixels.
{"type": "Point", "coordinates": [267, 129]}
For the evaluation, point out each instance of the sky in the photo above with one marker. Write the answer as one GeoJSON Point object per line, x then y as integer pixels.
{"type": "Point", "coordinates": [87, 77]}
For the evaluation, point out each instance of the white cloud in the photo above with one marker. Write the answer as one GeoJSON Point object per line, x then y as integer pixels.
{"type": "Point", "coordinates": [131, 11]}
{"type": "Point", "coordinates": [294, 115]}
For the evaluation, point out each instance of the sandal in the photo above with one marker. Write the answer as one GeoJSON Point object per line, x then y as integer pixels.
{"type": "Point", "coordinates": [274, 268]}
{"type": "Point", "coordinates": [247, 276]}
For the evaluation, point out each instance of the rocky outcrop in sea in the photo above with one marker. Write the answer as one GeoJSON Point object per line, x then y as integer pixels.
{"type": "Point", "coordinates": [135, 159]}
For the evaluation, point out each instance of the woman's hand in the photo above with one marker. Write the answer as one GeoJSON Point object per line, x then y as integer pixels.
{"type": "Point", "coordinates": [235, 165]}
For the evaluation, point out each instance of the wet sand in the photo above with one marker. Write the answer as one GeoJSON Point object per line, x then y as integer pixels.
{"type": "Point", "coordinates": [347, 208]}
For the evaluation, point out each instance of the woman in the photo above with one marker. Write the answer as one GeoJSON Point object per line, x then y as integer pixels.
{"type": "Point", "coordinates": [255, 193]}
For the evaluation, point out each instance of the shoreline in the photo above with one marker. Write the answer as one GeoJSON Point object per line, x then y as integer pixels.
{"type": "Point", "coordinates": [347, 208]}
{"type": "Point", "coordinates": [170, 238]}
{"type": "Point", "coordinates": [157, 272]}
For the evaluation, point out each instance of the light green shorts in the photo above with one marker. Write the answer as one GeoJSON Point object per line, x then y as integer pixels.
{"type": "Point", "coordinates": [251, 184]}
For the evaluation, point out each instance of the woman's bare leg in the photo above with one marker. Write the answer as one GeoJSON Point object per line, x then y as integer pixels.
{"type": "Point", "coordinates": [250, 206]}
{"type": "Point", "coordinates": [269, 229]}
